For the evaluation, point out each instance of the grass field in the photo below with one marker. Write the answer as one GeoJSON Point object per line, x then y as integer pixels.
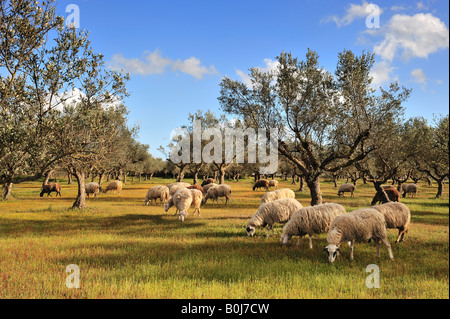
{"type": "Point", "coordinates": [127, 250]}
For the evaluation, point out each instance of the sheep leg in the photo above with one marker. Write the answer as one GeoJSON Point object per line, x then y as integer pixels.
{"type": "Point", "coordinates": [310, 242]}
{"type": "Point", "coordinates": [352, 248]}
{"type": "Point", "coordinates": [299, 240]}
{"type": "Point", "coordinates": [401, 234]}
{"type": "Point", "coordinates": [391, 255]}
{"type": "Point", "coordinates": [269, 228]}
{"type": "Point", "coordinates": [378, 247]}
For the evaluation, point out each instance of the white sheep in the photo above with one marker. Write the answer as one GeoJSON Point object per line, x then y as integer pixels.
{"type": "Point", "coordinates": [361, 225]}
{"type": "Point", "coordinates": [278, 194]}
{"type": "Point", "coordinates": [182, 200]}
{"type": "Point", "coordinates": [311, 221]}
{"type": "Point", "coordinates": [178, 184]}
{"type": "Point", "coordinates": [397, 216]}
{"type": "Point", "coordinates": [207, 187]}
{"type": "Point", "coordinates": [92, 189]}
{"type": "Point", "coordinates": [279, 211]}
{"type": "Point", "coordinates": [346, 188]}
{"type": "Point", "coordinates": [175, 188]}
{"type": "Point", "coordinates": [157, 192]}
{"type": "Point", "coordinates": [412, 189]}
{"type": "Point", "coordinates": [115, 186]}
{"type": "Point", "coordinates": [216, 192]}
{"type": "Point", "coordinates": [273, 183]}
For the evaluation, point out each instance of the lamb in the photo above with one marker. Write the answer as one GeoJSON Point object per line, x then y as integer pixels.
{"type": "Point", "coordinates": [273, 183]}
{"type": "Point", "coordinates": [182, 200]}
{"type": "Point", "coordinates": [207, 187]}
{"type": "Point", "coordinates": [216, 192]}
{"type": "Point", "coordinates": [346, 188]}
{"type": "Point", "coordinates": [92, 189]}
{"type": "Point", "coordinates": [197, 187]}
{"type": "Point", "coordinates": [311, 221]}
{"type": "Point", "coordinates": [278, 194]}
{"type": "Point", "coordinates": [412, 189]}
{"type": "Point", "coordinates": [263, 183]}
{"type": "Point", "coordinates": [392, 193]}
{"type": "Point", "coordinates": [279, 211]}
{"type": "Point", "coordinates": [50, 188]}
{"type": "Point", "coordinates": [208, 181]}
{"type": "Point", "coordinates": [157, 192]}
{"type": "Point", "coordinates": [114, 186]}
{"type": "Point", "coordinates": [397, 216]}
{"type": "Point", "coordinates": [359, 226]}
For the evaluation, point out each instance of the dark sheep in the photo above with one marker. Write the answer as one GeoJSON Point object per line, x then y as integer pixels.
{"type": "Point", "coordinates": [392, 193]}
{"type": "Point", "coordinates": [197, 187]}
{"type": "Point", "coordinates": [261, 184]}
{"type": "Point", "coordinates": [50, 188]}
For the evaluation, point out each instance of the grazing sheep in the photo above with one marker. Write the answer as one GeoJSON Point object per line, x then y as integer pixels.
{"type": "Point", "coordinates": [175, 188]}
{"type": "Point", "coordinates": [273, 183]}
{"type": "Point", "coordinates": [263, 183]}
{"type": "Point", "coordinates": [50, 188]}
{"type": "Point", "coordinates": [412, 189]}
{"type": "Point", "coordinates": [92, 189]}
{"type": "Point", "coordinates": [197, 187]}
{"type": "Point", "coordinates": [157, 192]}
{"type": "Point", "coordinates": [279, 211]}
{"type": "Point", "coordinates": [359, 226]}
{"type": "Point", "coordinates": [182, 200]}
{"type": "Point", "coordinates": [397, 216]}
{"type": "Point", "coordinates": [207, 187]}
{"type": "Point", "coordinates": [392, 193]}
{"type": "Point", "coordinates": [115, 186]}
{"type": "Point", "coordinates": [278, 194]}
{"type": "Point", "coordinates": [216, 192]}
{"type": "Point", "coordinates": [311, 221]}
{"type": "Point", "coordinates": [346, 188]}
{"type": "Point", "coordinates": [208, 181]}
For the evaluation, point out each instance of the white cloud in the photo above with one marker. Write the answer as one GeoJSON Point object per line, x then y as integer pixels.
{"type": "Point", "coordinates": [381, 74]}
{"type": "Point", "coordinates": [353, 12]}
{"type": "Point", "coordinates": [414, 36]}
{"type": "Point", "coordinates": [270, 66]}
{"type": "Point", "coordinates": [155, 63]}
{"type": "Point", "coordinates": [419, 76]}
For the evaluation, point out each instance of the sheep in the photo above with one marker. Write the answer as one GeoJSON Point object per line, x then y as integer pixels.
{"type": "Point", "coordinates": [182, 200]}
{"type": "Point", "coordinates": [175, 188]}
{"type": "Point", "coordinates": [311, 221]}
{"type": "Point", "coordinates": [214, 193]}
{"type": "Point", "coordinates": [207, 187]}
{"type": "Point", "coordinates": [92, 189]}
{"type": "Point", "coordinates": [392, 193]}
{"type": "Point", "coordinates": [208, 181]}
{"type": "Point", "coordinates": [412, 189]}
{"type": "Point", "coordinates": [273, 183]}
{"type": "Point", "coordinates": [197, 187]}
{"type": "Point", "coordinates": [359, 226]}
{"type": "Point", "coordinates": [157, 192]}
{"type": "Point", "coordinates": [397, 216]}
{"type": "Point", "coordinates": [346, 188]}
{"type": "Point", "coordinates": [114, 186]}
{"type": "Point", "coordinates": [50, 188]}
{"type": "Point", "coordinates": [197, 197]}
{"type": "Point", "coordinates": [263, 183]}
{"type": "Point", "coordinates": [278, 194]}
{"type": "Point", "coordinates": [279, 211]}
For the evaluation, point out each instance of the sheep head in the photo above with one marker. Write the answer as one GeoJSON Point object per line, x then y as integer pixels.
{"type": "Point", "coordinates": [333, 252]}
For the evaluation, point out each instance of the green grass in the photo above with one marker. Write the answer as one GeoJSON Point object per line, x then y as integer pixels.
{"type": "Point", "coordinates": [127, 250]}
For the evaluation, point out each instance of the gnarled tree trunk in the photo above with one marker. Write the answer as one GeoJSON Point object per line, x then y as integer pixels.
{"type": "Point", "coordinates": [80, 202]}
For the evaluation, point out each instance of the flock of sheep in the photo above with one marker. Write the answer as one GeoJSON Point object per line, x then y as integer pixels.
{"type": "Point", "coordinates": [280, 206]}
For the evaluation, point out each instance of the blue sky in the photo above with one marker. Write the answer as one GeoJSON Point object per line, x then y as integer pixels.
{"type": "Point", "coordinates": [177, 52]}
